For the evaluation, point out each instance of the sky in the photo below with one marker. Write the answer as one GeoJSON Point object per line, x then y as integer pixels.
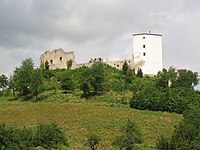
{"type": "Point", "coordinates": [98, 28]}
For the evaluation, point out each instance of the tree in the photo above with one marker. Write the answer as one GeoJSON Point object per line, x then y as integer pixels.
{"type": "Point", "coordinates": [97, 78]}
{"type": "Point", "coordinates": [85, 87]}
{"type": "Point", "coordinates": [3, 82]}
{"type": "Point", "coordinates": [166, 78]}
{"type": "Point", "coordinates": [139, 73]}
{"type": "Point", "coordinates": [129, 137]}
{"type": "Point", "coordinates": [93, 141]}
{"type": "Point", "coordinates": [186, 136]}
{"type": "Point", "coordinates": [26, 80]}
{"type": "Point", "coordinates": [92, 80]}
{"type": "Point", "coordinates": [46, 65]}
{"type": "Point", "coordinates": [36, 82]}
{"type": "Point", "coordinates": [67, 84]}
{"type": "Point", "coordinates": [69, 64]}
{"type": "Point", "coordinates": [186, 78]}
{"type": "Point", "coordinates": [22, 76]}
{"type": "Point", "coordinates": [125, 68]}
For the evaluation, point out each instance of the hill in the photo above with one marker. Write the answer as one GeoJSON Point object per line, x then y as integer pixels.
{"type": "Point", "coordinates": [80, 118]}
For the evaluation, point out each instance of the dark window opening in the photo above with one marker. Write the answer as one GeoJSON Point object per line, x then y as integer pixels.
{"type": "Point", "coordinates": [114, 64]}
{"type": "Point", "coordinates": [144, 46]}
{"type": "Point", "coordinates": [117, 65]}
{"type": "Point", "coordinates": [61, 58]}
{"type": "Point", "coordinates": [144, 54]}
{"type": "Point", "coordinates": [143, 37]}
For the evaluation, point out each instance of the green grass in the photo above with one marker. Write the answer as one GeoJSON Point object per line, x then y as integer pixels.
{"type": "Point", "coordinates": [79, 118]}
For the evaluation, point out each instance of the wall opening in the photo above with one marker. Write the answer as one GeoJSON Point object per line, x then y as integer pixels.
{"type": "Point", "coordinates": [61, 58]}
{"type": "Point", "coordinates": [51, 61]}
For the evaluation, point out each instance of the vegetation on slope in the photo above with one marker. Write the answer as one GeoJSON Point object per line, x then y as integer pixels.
{"type": "Point", "coordinates": [82, 118]}
{"type": "Point", "coordinates": [97, 99]}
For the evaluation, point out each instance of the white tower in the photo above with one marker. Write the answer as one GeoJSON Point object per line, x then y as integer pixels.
{"type": "Point", "coordinates": [147, 52]}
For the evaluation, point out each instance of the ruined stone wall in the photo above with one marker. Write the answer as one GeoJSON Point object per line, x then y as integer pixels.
{"type": "Point", "coordinates": [119, 64]}
{"type": "Point", "coordinates": [58, 59]}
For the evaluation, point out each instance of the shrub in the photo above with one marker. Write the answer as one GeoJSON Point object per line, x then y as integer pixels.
{"type": "Point", "coordinates": [49, 136]}
{"type": "Point", "coordinates": [129, 137]}
{"type": "Point", "coordinates": [93, 141]}
{"type": "Point", "coordinates": [186, 136]}
{"type": "Point", "coordinates": [44, 135]}
{"type": "Point", "coordinates": [15, 138]}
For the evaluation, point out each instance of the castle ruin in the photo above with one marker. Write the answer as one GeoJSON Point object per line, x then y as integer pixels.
{"type": "Point", "coordinates": [147, 55]}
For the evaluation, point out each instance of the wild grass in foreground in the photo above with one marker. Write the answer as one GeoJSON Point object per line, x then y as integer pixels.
{"type": "Point", "coordinates": [80, 119]}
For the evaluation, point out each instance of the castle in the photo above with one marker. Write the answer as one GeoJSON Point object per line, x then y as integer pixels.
{"type": "Point", "coordinates": [147, 55]}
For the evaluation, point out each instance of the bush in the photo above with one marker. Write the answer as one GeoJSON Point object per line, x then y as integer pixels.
{"type": "Point", "coordinates": [170, 99]}
{"type": "Point", "coordinates": [186, 136]}
{"type": "Point", "coordinates": [129, 137]}
{"type": "Point", "coordinates": [163, 143]}
{"type": "Point", "coordinates": [93, 141]}
{"type": "Point", "coordinates": [49, 136]}
{"type": "Point", "coordinates": [44, 135]}
{"type": "Point", "coordinates": [15, 138]}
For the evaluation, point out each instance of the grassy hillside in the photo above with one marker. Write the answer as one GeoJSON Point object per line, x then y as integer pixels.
{"type": "Point", "coordinates": [81, 117]}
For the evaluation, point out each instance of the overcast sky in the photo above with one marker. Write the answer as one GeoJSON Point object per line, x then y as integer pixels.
{"type": "Point", "coordinates": [98, 28]}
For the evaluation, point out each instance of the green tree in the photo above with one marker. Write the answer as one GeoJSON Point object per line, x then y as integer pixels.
{"type": "Point", "coordinates": [69, 64]}
{"type": "Point", "coordinates": [67, 84]}
{"type": "Point", "coordinates": [186, 78]}
{"type": "Point", "coordinates": [22, 76]}
{"type": "Point", "coordinates": [186, 136]}
{"type": "Point", "coordinates": [92, 80]}
{"type": "Point", "coordinates": [85, 87]}
{"type": "Point", "coordinates": [93, 141]}
{"type": "Point", "coordinates": [3, 82]}
{"type": "Point", "coordinates": [125, 68]}
{"type": "Point", "coordinates": [129, 137]}
{"type": "Point", "coordinates": [49, 136]}
{"type": "Point", "coordinates": [12, 86]}
{"type": "Point", "coordinates": [166, 78]}
{"type": "Point", "coordinates": [97, 77]}
{"type": "Point", "coordinates": [139, 73]}
{"type": "Point", "coordinates": [36, 82]}
{"type": "Point", "coordinates": [46, 65]}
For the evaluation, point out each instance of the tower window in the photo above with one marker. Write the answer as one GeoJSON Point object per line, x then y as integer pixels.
{"type": "Point", "coordinates": [143, 37]}
{"type": "Point", "coordinates": [61, 58]}
{"type": "Point", "coordinates": [144, 54]}
{"type": "Point", "coordinates": [144, 46]}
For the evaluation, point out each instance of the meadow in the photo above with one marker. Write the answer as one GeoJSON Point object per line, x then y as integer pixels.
{"type": "Point", "coordinates": [79, 117]}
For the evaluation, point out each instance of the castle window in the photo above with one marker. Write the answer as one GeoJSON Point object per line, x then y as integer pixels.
{"type": "Point", "coordinates": [144, 46]}
{"type": "Point", "coordinates": [51, 61]}
{"type": "Point", "coordinates": [117, 65]}
{"type": "Point", "coordinates": [144, 54]}
{"type": "Point", "coordinates": [61, 58]}
{"type": "Point", "coordinates": [143, 37]}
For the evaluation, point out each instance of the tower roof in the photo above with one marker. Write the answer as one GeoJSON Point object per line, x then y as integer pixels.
{"type": "Point", "coordinates": [147, 34]}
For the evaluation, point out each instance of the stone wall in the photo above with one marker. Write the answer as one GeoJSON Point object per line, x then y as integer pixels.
{"type": "Point", "coordinates": [58, 59]}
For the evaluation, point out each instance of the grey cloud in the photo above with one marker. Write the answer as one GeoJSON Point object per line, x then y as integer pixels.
{"type": "Point", "coordinates": [97, 28]}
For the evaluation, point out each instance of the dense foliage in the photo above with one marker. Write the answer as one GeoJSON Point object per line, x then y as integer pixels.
{"type": "Point", "coordinates": [186, 136]}
{"type": "Point", "coordinates": [170, 90]}
{"type": "Point", "coordinates": [44, 135]}
{"type": "Point", "coordinates": [129, 137]}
